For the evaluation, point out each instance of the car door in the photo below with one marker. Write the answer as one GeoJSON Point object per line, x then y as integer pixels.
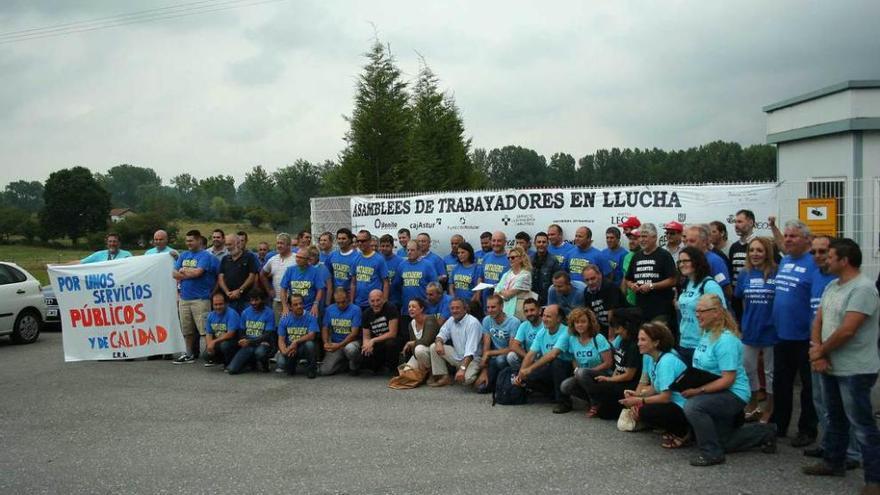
{"type": "Point", "coordinates": [9, 298]}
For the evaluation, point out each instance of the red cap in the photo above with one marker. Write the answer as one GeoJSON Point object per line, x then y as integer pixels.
{"type": "Point", "coordinates": [673, 225]}
{"type": "Point", "coordinates": [630, 223]}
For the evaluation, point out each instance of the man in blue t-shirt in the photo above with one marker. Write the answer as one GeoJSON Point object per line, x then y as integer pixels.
{"type": "Point", "coordinates": [343, 261]}
{"type": "Point", "coordinates": [521, 341]}
{"type": "Point", "coordinates": [413, 275]}
{"type": "Point", "coordinates": [221, 328]}
{"type": "Point", "coordinates": [451, 259]}
{"type": "Point", "coordinates": [340, 332]}
{"type": "Point", "coordinates": [792, 315]}
{"type": "Point", "coordinates": [614, 253]}
{"type": "Point", "coordinates": [438, 303]}
{"type": "Point", "coordinates": [111, 253]}
{"type": "Point", "coordinates": [545, 367]}
{"type": "Point", "coordinates": [194, 270]}
{"type": "Point", "coordinates": [498, 329]}
{"type": "Point", "coordinates": [296, 338]}
{"type": "Point", "coordinates": [305, 280]}
{"type": "Point", "coordinates": [403, 236]}
{"type": "Point", "coordinates": [256, 337]}
{"type": "Point", "coordinates": [485, 247]}
{"type": "Point", "coordinates": [392, 264]}
{"type": "Point", "coordinates": [583, 253]}
{"type": "Point", "coordinates": [565, 292]}
{"type": "Point", "coordinates": [558, 247]}
{"type": "Point", "coordinates": [697, 236]}
{"type": "Point", "coordinates": [424, 242]}
{"type": "Point", "coordinates": [495, 263]}
{"type": "Point", "coordinates": [371, 272]}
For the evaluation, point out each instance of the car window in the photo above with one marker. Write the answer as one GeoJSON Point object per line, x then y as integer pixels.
{"type": "Point", "coordinates": [6, 276]}
{"type": "Point", "coordinates": [17, 274]}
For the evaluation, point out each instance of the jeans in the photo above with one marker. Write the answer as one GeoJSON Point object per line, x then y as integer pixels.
{"type": "Point", "coordinates": [667, 416]}
{"type": "Point", "coordinates": [713, 419]}
{"type": "Point", "coordinates": [223, 352]}
{"type": "Point", "coordinates": [250, 355]}
{"type": "Point", "coordinates": [549, 379]}
{"type": "Point", "coordinates": [790, 358]}
{"type": "Point", "coordinates": [303, 350]}
{"type": "Point", "coordinates": [496, 364]}
{"type": "Point", "coordinates": [852, 451]}
{"type": "Point", "coordinates": [848, 404]}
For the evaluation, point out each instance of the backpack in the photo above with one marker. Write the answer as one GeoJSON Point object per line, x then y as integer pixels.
{"type": "Point", "coordinates": [506, 393]}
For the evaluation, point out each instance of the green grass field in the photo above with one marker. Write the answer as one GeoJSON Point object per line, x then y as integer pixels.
{"type": "Point", "coordinates": [35, 258]}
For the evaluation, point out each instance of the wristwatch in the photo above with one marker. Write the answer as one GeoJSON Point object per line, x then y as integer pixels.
{"type": "Point", "coordinates": [463, 368]}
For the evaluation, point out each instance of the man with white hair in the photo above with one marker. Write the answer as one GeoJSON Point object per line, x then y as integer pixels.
{"type": "Point", "coordinates": [652, 276]}
{"type": "Point", "coordinates": [238, 273]}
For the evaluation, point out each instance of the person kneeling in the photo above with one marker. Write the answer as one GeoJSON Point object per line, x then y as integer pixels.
{"type": "Point", "coordinates": [255, 343]}
{"type": "Point", "coordinates": [592, 356]}
{"type": "Point", "coordinates": [296, 338]}
{"type": "Point", "coordinates": [545, 366]}
{"type": "Point", "coordinates": [464, 331]}
{"type": "Point", "coordinates": [342, 324]}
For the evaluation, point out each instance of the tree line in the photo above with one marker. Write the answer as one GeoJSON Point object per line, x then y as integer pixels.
{"type": "Point", "coordinates": [404, 136]}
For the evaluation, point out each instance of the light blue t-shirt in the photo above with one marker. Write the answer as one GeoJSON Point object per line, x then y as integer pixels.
{"type": "Point", "coordinates": [293, 327]}
{"type": "Point", "coordinates": [255, 323]}
{"type": "Point", "coordinates": [687, 306]}
{"type": "Point", "coordinates": [168, 250]}
{"type": "Point", "coordinates": [669, 367]}
{"type": "Point", "coordinates": [500, 333]}
{"type": "Point", "coordinates": [578, 259]}
{"type": "Point", "coordinates": [463, 279]}
{"type": "Point", "coordinates": [587, 355]}
{"type": "Point", "coordinates": [104, 255]}
{"type": "Point", "coordinates": [303, 281]}
{"type": "Point", "coordinates": [573, 299]}
{"type": "Point", "coordinates": [526, 334]}
{"type": "Point", "coordinates": [757, 296]}
{"type": "Point", "coordinates": [217, 325]}
{"type": "Point", "coordinates": [545, 341]}
{"type": "Point", "coordinates": [723, 354]}
{"type": "Point", "coordinates": [340, 322]}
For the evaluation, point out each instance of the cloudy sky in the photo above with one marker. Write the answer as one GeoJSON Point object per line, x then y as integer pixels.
{"type": "Point", "coordinates": [269, 81]}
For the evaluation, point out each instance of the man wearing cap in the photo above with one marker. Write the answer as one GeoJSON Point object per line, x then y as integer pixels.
{"type": "Point", "coordinates": [674, 235]}
{"type": "Point", "coordinates": [630, 226]}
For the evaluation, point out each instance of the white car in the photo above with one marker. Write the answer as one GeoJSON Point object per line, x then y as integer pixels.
{"type": "Point", "coordinates": [21, 304]}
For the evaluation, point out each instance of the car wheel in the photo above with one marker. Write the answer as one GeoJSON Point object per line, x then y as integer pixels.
{"type": "Point", "coordinates": [27, 327]}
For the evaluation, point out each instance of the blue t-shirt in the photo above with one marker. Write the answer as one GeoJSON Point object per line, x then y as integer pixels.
{"type": "Point", "coordinates": [217, 325]}
{"type": "Point", "coordinates": [440, 309]}
{"type": "Point", "coordinates": [436, 262]}
{"type": "Point", "coordinates": [340, 322]}
{"type": "Point", "coordinates": [688, 326]}
{"type": "Point", "coordinates": [577, 259]}
{"type": "Point", "coordinates": [615, 260]}
{"type": "Point", "coordinates": [718, 269]}
{"type": "Point", "coordinates": [255, 323]}
{"type": "Point", "coordinates": [292, 327]}
{"type": "Point", "coordinates": [414, 277]}
{"type": "Point", "coordinates": [723, 354]}
{"type": "Point", "coordinates": [324, 257]}
{"type": "Point", "coordinates": [560, 252]}
{"type": "Point", "coordinates": [342, 267]}
{"type": "Point", "coordinates": [305, 282]}
{"type": "Point", "coordinates": [573, 299]}
{"type": "Point", "coordinates": [794, 282]}
{"type": "Point", "coordinates": [526, 334]}
{"type": "Point", "coordinates": [820, 281]}
{"type": "Point", "coordinates": [587, 355]}
{"type": "Point", "coordinates": [757, 297]}
{"type": "Point", "coordinates": [402, 252]}
{"type": "Point", "coordinates": [391, 264]}
{"type": "Point", "coordinates": [104, 255]}
{"type": "Point", "coordinates": [463, 279]}
{"type": "Point", "coordinates": [544, 342]}
{"type": "Point", "coordinates": [478, 256]}
{"type": "Point", "coordinates": [201, 286]}
{"type": "Point", "coordinates": [450, 261]}
{"type": "Point", "coordinates": [494, 265]}
{"type": "Point", "coordinates": [500, 333]}
{"type": "Point", "coordinates": [370, 274]}
{"type": "Point", "coordinates": [669, 367]}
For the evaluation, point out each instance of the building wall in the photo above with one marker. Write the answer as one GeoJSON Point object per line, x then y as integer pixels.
{"type": "Point", "coordinates": [856, 103]}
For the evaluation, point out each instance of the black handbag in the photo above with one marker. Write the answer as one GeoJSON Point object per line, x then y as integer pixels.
{"type": "Point", "coordinates": [693, 378]}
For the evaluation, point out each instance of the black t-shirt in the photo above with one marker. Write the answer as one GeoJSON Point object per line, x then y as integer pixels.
{"type": "Point", "coordinates": [627, 356]}
{"type": "Point", "coordinates": [235, 272]}
{"type": "Point", "coordinates": [654, 268]}
{"type": "Point", "coordinates": [377, 323]}
{"type": "Point", "coordinates": [738, 252]}
{"type": "Point", "coordinates": [607, 297]}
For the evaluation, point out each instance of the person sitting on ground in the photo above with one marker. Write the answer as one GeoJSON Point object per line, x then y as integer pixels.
{"type": "Point", "coordinates": [694, 267]}
{"type": "Point", "coordinates": [657, 405]}
{"type": "Point", "coordinates": [423, 330]}
{"type": "Point", "coordinates": [464, 331]}
{"type": "Point", "coordinates": [592, 356]}
{"type": "Point", "coordinates": [340, 332]}
{"type": "Point", "coordinates": [380, 347]}
{"type": "Point", "coordinates": [755, 288]}
{"type": "Point", "coordinates": [296, 338]}
{"type": "Point", "coordinates": [521, 342]}
{"type": "Point", "coordinates": [221, 328]}
{"type": "Point", "coordinates": [605, 391]}
{"type": "Point", "coordinates": [715, 409]}
{"type": "Point", "coordinates": [498, 328]}
{"type": "Point", "coordinates": [516, 283]}
{"type": "Point", "coordinates": [543, 368]}
{"type": "Point", "coordinates": [256, 337]}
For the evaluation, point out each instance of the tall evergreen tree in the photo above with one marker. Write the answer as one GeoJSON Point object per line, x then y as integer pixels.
{"type": "Point", "coordinates": [75, 204]}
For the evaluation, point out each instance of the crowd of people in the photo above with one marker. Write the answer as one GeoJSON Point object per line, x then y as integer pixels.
{"type": "Point", "coordinates": [699, 338]}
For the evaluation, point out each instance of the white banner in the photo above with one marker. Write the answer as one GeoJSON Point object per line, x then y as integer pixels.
{"type": "Point", "coordinates": [118, 309]}
{"type": "Point", "coordinates": [443, 215]}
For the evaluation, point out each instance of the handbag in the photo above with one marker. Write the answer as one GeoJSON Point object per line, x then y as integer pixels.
{"type": "Point", "coordinates": [407, 377]}
{"type": "Point", "coordinates": [628, 420]}
{"type": "Point", "coordinates": [692, 378]}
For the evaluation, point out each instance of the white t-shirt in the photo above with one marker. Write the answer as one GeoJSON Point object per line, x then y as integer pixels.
{"type": "Point", "coordinates": [275, 268]}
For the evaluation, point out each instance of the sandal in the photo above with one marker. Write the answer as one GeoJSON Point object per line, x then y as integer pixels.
{"type": "Point", "coordinates": [671, 441]}
{"type": "Point", "coordinates": [753, 415]}
{"type": "Point", "coordinates": [593, 411]}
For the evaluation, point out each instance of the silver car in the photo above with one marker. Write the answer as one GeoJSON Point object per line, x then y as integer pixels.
{"type": "Point", "coordinates": [21, 304]}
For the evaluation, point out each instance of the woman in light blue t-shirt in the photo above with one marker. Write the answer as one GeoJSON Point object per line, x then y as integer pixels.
{"type": "Point", "coordinates": [593, 356]}
{"type": "Point", "coordinates": [694, 266]}
{"type": "Point", "coordinates": [715, 409]}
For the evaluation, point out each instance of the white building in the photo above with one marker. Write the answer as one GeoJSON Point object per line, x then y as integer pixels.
{"type": "Point", "coordinates": [828, 145]}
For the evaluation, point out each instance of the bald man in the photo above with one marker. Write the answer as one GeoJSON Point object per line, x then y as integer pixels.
{"type": "Point", "coordinates": [380, 347]}
{"type": "Point", "coordinates": [160, 245]}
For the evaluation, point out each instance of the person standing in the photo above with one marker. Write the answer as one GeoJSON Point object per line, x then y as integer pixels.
{"type": "Point", "coordinates": [238, 273]}
{"type": "Point", "coordinates": [305, 280]}
{"type": "Point", "coordinates": [392, 264]}
{"type": "Point", "coordinates": [718, 243]}
{"type": "Point", "coordinates": [275, 269]}
{"type": "Point", "coordinates": [451, 259]}
{"type": "Point", "coordinates": [218, 244]}
{"type": "Point", "coordinates": [744, 225]}
{"type": "Point", "coordinates": [515, 284]}
{"type": "Point", "coordinates": [370, 272]}
{"type": "Point", "coordinates": [652, 277]}
{"type": "Point", "coordinates": [112, 252]}
{"type": "Point", "coordinates": [583, 253]}
{"type": "Point", "coordinates": [844, 350]}
{"type": "Point", "coordinates": [697, 236]}
{"type": "Point", "coordinates": [193, 270]}
{"type": "Point", "coordinates": [495, 263]}
{"type": "Point", "coordinates": [544, 265]}
{"type": "Point", "coordinates": [465, 275]}
{"type": "Point", "coordinates": [403, 237]}
{"type": "Point", "coordinates": [614, 253]}
{"type": "Point", "coordinates": [160, 245]}
{"type": "Point", "coordinates": [413, 275]}
{"type": "Point", "coordinates": [558, 246]}
{"type": "Point", "coordinates": [424, 243]}
{"type": "Point", "coordinates": [343, 262]}
{"type": "Point", "coordinates": [674, 236]}
{"type": "Point", "coordinates": [791, 315]}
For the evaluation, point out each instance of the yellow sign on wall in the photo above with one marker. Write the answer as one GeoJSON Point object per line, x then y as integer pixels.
{"type": "Point", "coordinates": [820, 214]}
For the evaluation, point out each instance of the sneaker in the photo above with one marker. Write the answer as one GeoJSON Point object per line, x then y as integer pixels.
{"type": "Point", "coordinates": [209, 364]}
{"type": "Point", "coordinates": [184, 359]}
{"type": "Point", "coordinates": [823, 469]}
{"type": "Point", "coordinates": [279, 370]}
{"type": "Point", "coordinates": [562, 408]}
{"type": "Point", "coordinates": [802, 440]}
{"type": "Point", "coordinates": [312, 374]}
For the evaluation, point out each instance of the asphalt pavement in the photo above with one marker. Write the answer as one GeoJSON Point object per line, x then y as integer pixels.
{"type": "Point", "coordinates": [154, 427]}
